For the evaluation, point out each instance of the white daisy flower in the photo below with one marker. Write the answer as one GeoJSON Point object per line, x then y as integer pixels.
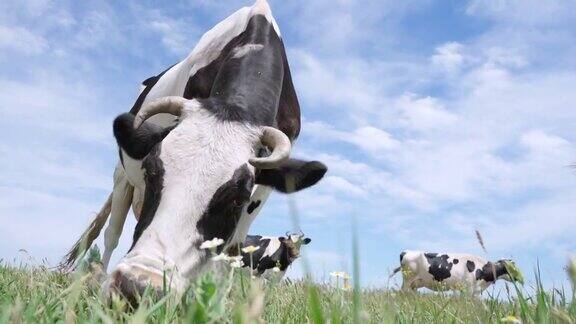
{"type": "Point", "coordinates": [250, 249]}
{"type": "Point", "coordinates": [510, 319]}
{"type": "Point", "coordinates": [221, 257]}
{"type": "Point", "coordinates": [237, 264]}
{"type": "Point", "coordinates": [235, 258]}
{"type": "Point", "coordinates": [339, 274]}
{"type": "Point", "coordinates": [211, 244]}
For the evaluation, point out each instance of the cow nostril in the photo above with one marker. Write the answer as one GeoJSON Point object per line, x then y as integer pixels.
{"type": "Point", "coordinates": [132, 287]}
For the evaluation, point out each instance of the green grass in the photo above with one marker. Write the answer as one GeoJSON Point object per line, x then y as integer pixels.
{"type": "Point", "coordinates": [38, 295]}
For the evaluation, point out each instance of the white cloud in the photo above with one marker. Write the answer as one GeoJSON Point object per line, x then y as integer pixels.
{"type": "Point", "coordinates": [504, 133]}
{"type": "Point", "coordinates": [175, 37]}
{"type": "Point", "coordinates": [98, 28]}
{"type": "Point", "coordinates": [541, 142]}
{"type": "Point", "coordinates": [21, 40]}
{"type": "Point", "coordinates": [373, 139]}
{"type": "Point", "coordinates": [449, 57]}
{"type": "Point", "coordinates": [67, 108]}
{"type": "Point", "coordinates": [422, 114]}
{"type": "Point", "coordinates": [531, 12]}
{"type": "Point", "coordinates": [339, 184]}
{"type": "Point", "coordinates": [43, 224]}
{"type": "Point", "coordinates": [368, 138]}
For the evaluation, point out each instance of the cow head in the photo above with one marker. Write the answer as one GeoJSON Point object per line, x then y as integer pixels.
{"type": "Point", "coordinates": [293, 244]}
{"type": "Point", "coordinates": [199, 178]}
{"type": "Point", "coordinates": [508, 270]}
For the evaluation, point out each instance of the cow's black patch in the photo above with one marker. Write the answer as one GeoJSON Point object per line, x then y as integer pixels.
{"type": "Point", "coordinates": [252, 240]}
{"type": "Point", "coordinates": [286, 111]}
{"type": "Point", "coordinates": [491, 271]}
{"type": "Point", "coordinates": [439, 266]}
{"type": "Point", "coordinates": [288, 117]}
{"type": "Point", "coordinates": [278, 258]}
{"type": "Point", "coordinates": [257, 255]}
{"type": "Point", "coordinates": [253, 205]}
{"type": "Point", "coordinates": [455, 261]}
{"type": "Point", "coordinates": [149, 83]}
{"type": "Point", "coordinates": [223, 212]}
{"type": "Point", "coordinates": [246, 88]}
{"type": "Point", "coordinates": [293, 175]}
{"type": "Point", "coordinates": [154, 177]}
{"type": "Point", "coordinates": [121, 156]}
{"type": "Point", "coordinates": [479, 275]}
{"type": "Point", "coordinates": [137, 143]}
{"type": "Point", "coordinates": [470, 265]}
{"type": "Point", "coordinates": [402, 256]}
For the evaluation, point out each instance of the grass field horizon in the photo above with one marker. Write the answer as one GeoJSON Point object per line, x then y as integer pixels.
{"type": "Point", "coordinates": [39, 294]}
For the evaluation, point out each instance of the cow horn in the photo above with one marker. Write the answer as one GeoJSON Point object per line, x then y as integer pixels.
{"type": "Point", "coordinates": [278, 143]}
{"type": "Point", "coordinates": [170, 105]}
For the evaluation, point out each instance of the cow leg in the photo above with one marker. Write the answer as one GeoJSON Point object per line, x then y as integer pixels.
{"type": "Point", "coordinates": [121, 201]}
{"type": "Point", "coordinates": [257, 199]}
{"type": "Point", "coordinates": [137, 201]}
{"type": "Point", "coordinates": [409, 284]}
{"type": "Point", "coordinates": [406, 285]}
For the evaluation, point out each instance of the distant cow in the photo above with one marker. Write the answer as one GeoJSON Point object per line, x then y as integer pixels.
{"type": "Point", "coordinates": [452, 271]}
{"type": "Point", "coordinates": [274, 252]}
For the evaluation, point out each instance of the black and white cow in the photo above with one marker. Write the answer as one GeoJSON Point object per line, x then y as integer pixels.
{"type": "Point", "coordinates": [194, 153]}
{"type": "Point", "coordinates": [451, 271]}
{"type": "Point", "coordinates": [275, 254]}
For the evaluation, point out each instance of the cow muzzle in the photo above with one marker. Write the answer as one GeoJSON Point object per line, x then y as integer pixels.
{"type": "Point", "coordinates": [133, 283]}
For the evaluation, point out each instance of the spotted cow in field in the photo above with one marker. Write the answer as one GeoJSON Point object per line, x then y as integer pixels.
{"type": "Point", "coordinates": [205, 143]}
{"type": "Point", "coordinates": [275, 254]}
{"type": "Point", "coordinates": [452, 271]}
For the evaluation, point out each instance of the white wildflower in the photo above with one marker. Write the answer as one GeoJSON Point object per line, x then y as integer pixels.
{"type": "Point", "coordinates": [221, 257]}
{"type": "Point", "coordinates": [237, 264]}
{"type": "Point", "coordinates": [235, 258]}
{"type": "Point", "coordinates": [340, 274]}
{"type": "Point", "coordinates": [211, 244]}
{"type": "Point", "coordinates": [510, 319]}
{"type": "Point", "coordinates": [250, 249]}
{"type": "Point", "coordinates": [276, 269]}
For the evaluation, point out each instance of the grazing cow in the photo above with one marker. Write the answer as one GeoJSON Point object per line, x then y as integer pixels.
{"type": "Point", "coordinates": [273, 252]}
{"type": "Point", "coordinates": [203, 146]}
{"type": "Point", "coordinates": [452, 271]}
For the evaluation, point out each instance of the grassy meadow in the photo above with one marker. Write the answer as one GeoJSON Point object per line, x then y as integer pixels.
{"type": "Point", "coordinates": [41, 295]}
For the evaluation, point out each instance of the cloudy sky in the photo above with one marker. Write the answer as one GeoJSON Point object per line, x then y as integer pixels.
{"type": "Point", "coordinates": [435, 118]}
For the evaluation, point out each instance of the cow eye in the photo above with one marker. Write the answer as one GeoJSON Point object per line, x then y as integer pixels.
{"type": "Point", "coordinates": [238, 202]}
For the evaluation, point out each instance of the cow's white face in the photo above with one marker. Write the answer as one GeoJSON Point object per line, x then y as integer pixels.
{"type": "Point", "coordinates": [198, 181]}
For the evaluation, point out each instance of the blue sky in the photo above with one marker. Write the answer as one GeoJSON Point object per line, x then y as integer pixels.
{"type": "Point", "coordinates": [435, 118]}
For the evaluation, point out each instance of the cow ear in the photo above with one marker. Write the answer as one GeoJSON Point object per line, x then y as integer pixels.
{"type": "Point", "coordinates": [306, 241]}
{"type": "Point", "coordinates": [137, 143]}
{"type": "Point", "coordinates": [281, 239]}
{"type": "Point", "coordinates": [293, 175]}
